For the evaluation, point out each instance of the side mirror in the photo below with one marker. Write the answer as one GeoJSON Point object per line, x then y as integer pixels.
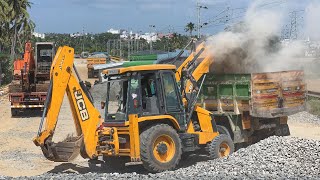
{"type": "Point", "coordinates": [103, 104]}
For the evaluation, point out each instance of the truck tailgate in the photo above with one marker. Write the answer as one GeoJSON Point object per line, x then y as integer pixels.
{"type": "Point", "coordinates": [94, 61]}
{"type": "Point", "coordinates": [277, 94]}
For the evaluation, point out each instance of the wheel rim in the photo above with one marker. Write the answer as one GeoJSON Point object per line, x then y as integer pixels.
{"type": "Point", "coordinates": [224, 149]}
{"type": "Point", "coordinates": [164, 148]}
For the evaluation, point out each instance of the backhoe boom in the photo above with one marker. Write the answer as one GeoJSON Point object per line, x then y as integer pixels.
{"type": "Point", "coordinates": [86, 117]}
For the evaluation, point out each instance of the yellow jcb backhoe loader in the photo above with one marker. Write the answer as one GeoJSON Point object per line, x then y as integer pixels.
{"type": "Point", "coordinates": [152, 121]}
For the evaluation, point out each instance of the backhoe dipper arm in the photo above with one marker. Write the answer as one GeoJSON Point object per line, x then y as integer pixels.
{"type": "Point", "coordinates": [86, 117]}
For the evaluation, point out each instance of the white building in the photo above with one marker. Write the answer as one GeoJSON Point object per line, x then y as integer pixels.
{"type": "Point", "coordinates": [114, 31]}
{"type": "Point", "coordinates": [39, 35]}
{"type": "Point", "coordinates": [77, 34]}
{"type": "Point", "coordinates": [124, 34]}
{"type": "Point", "coordinates": [149, 37]}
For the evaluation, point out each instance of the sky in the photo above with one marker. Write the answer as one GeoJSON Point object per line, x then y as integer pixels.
{"type": "Point", "coordinates": [94, 16]}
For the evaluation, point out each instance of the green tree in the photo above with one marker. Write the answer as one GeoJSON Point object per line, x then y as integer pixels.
{"type": "Point", "coordinates": [19, 20]}
{"type": "Point", "coordinates": [4, 24]}
{"type": "Point", "coordinates": [190, 28]}
{"type": "Point", "coordinates": [15, 28]}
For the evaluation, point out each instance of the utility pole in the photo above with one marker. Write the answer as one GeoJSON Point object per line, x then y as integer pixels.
{"type": "Point", "coordinates": [170, 29]}
{"type": "Point", "coordinates": [83, 39]}
{"type": "Point", "coordinates": [120, 47]}
{"type": "Point", "coordinates": [293, 28]}
{"type": "Point", "coordinates": [108, 46]}
{"type": "Point", "coordinates": [199, 7]}
{"type": "Point", "coordinates": [0, 73]}
{"type": "Point", "coordinates": [151, 26]}
{"type": "Point", "coordinates": [295, 22]}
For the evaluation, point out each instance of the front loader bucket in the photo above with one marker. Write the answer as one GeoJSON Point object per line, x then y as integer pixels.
{"type": "Point", "coordinates": [64, 151]}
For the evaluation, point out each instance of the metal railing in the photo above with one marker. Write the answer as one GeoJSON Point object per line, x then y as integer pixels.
{"type": "Point", "coordinates": [313, 94]}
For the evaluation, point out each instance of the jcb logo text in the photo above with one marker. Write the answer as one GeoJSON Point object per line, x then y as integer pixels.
{"type": "Point", "coordinates": [81, 105]}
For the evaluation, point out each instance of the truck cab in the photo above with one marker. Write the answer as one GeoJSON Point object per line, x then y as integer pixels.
{"type": "Point", "coordinates": [44, 54]}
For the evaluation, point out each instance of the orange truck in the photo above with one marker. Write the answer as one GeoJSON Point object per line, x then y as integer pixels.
{"type": "Point", "coordinates": [31, 76]}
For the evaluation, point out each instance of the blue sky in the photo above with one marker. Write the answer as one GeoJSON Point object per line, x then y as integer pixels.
{"type": "Point", "coordinates": [68, 16]}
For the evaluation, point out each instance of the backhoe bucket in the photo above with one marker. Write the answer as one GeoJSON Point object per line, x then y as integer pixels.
{"type": "Point", "coordinates": [64, 151]}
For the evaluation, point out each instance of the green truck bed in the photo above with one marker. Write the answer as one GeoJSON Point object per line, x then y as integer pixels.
{"type": "Point", "coordinates": [266, 95]}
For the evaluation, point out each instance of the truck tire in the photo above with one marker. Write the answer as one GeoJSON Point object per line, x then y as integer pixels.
{"type": "Point", "coordinates": [14, 112]}
{"type": "Point", "coordinates": [223, 130]}
{"type": "Point", "coordinates": [220, 146]}
{"type": "Point", "coordinates": [160, 148]}
{"type": "Point", "coordinates": [285, 129]}
{"type": "Point", "coordinates": [282, 130]}
{"type": "Point", "coordinates": [90, 73]}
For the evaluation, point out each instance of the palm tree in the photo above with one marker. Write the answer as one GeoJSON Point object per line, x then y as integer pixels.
{"type": "Point", "coordinates": [4, 23]}
{"type": "Point", "coordinates": [19, 18]}
{"type": "Point", "coordinates": [189, 28]}
{"type": "Point", "coordinates": [15, 28]}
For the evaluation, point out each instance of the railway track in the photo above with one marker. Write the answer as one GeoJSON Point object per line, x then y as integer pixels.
{"type": "Point", "coordinates": [313, 94]}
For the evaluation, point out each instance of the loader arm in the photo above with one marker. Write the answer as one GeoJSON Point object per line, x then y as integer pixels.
{"type": "Point", "coordinates": [86, 117]}
{"type": "Point", "coordinates": [197, 64]}
{"type": "Point", "coordinates": [188, 74]}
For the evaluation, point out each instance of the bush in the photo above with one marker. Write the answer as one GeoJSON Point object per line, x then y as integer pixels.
{"type": "Point", "coordinates": [6, 69]}
{"type": "Point", "coordinates": [313, 106]}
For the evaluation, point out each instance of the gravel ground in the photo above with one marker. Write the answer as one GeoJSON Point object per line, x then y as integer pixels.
{"type": "Point", "coordinates": [272, 158]}
{"type": "Point", "coordinates": [305, 117]}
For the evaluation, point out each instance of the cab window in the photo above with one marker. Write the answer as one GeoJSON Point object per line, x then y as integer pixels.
{"type": "Point", "coordinates": [170, 92]}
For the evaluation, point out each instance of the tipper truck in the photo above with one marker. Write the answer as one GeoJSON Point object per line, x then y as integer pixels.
{"type": "Point", "coordinates": [96, 59]}
{"type": "Point", "coordinates": [31, 75]}
{"type": "Point", "coordinates": [250, 107]}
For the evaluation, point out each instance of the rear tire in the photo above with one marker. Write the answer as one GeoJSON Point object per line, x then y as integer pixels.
{"type": "Point", "coordinates": [282, 130]}
{"type": "Point", "coordinates": [220, 146]}
{"type": "Point", "coordinates": [90, 73]}
{"type": "Point", "coordinates": [285, 130]}
{"type": "Point", "coordinates": [160, 148]}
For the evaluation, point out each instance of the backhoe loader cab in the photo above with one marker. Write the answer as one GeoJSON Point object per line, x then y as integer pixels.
{"type": "Point", "coordinates": [147, 119]}
{"type": "Point", "coordinates": [145, 92]}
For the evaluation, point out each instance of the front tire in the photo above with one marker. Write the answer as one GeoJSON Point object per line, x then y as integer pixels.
{"type": "Point", "coordinates": [220, 146]}
{"type": "Point", "coordinates": [160, 148]}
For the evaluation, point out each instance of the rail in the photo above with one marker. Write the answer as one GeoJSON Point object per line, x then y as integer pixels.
{"type": "Point", "coordinates": [314, 94]}
{"type": "Point", "coordinates": [115, 58]}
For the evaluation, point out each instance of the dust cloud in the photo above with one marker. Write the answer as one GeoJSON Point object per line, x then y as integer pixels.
{"type": "Point", "coordinates": [312, 21]}
{"type": "Point", "coordinates": [254, 45]}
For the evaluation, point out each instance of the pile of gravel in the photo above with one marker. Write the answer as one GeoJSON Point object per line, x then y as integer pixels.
{"type": "Point", "coordinates": [305, 117]}
{"type": "Point", "coordinates": [272, 158]}
{"type": "Point", "coordinates": [101, 55]}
